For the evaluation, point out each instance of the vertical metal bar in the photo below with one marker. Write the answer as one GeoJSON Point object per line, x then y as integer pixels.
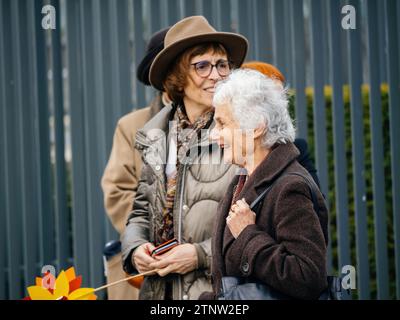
{"type": "Point", "coordinates": [278, 27]}
{"type": "Point", "coordinates": [344, 53]}
{"type": "Point", "coordinates": [24, 128]}
{"type": "Point", "coordinates": [224, 15]}
{"type": "Point", "coordinates": [101, 83]}
{"type": "Point", "coordinates": [325, 50]}
{"type": "Point", "coordinates": [245, 26]}
{"type": "Point", "coordinates": [61, 211]}
{"type": "Point", "coordinates": [139, 49]}
{"type": "Point", "coordinates": [46, 243]}
{"type": "Point", "coordinates": [124, 74]}
{"type": "Point", "coordinates": [378, 181]}
{"type": "Point", "coordinates": [190, 8]}
{"type": "Point", "coordinates": [111, 51]}
{"type": "Point", "coordinates": [264, 38]}
{"type": "Point", "coordinates": [155, 15]}
{"type": "Point", "coordinates": [357, 133]}
{"type": "Point", "coordinates": [122, 92]}
{"type": "Point", "coordinates": [30, 145]}
{"type": "Point", "coordinates": [254, 23]}
{"type": "Point", "coordinates": [339, 140]}
{"type": "Point", "coordinates": [79, 193]}
{"type": "Point", "coordinates": [299, 72]}
{"type": "Point", "coordinates": [288, 44]}
{"type": "Point", "coordinates": [14, 174]}
{"type": "Point", "coordinates": [173, 12]}
{"type": "Point", "coordinates": [207, 11]}
{"type": "Point", "coordinates": [116, 75]}
{"type": "Point", "coordinates": [94, 200]}
{"type": "Point", "coordinates": [393, 43]}
{"type": "Point", "coordinates": [217, 15]}
{"type": "Point", "coordinates": [3, 161]}
{"type": "Point", "coordinates": [398, 26]}
{"type": "Point", "coordinates": [319, 99]}
{"type": "Point", "coordinates": [116, 78]}
{"type": "Point", "coordinates": [380, 21]}
{"type": "Point", "coordinates": [100, 80]}
{"type": "Point", "coordinates": [108, 40]}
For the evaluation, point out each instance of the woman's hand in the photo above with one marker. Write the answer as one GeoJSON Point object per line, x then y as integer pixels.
{"type": "Point", "coordinates": [181, 259]}
{"type": "Point", "coordinates": [240, 216]}
{"type": "Point", "coordinates": [142, 257]}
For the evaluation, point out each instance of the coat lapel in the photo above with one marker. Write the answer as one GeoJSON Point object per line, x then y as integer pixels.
{"type": "Point", "coordinates": [270, 168]}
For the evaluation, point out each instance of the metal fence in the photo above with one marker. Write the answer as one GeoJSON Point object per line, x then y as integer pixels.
{"type": "Point", "coordinates": [63, 90]}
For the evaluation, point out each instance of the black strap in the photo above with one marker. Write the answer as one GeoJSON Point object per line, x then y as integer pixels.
{"type": "Point", "coordinates": [310, 185]}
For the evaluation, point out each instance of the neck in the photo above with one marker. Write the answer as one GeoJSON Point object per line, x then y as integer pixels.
{"type": "Point", "coordinates": [194, 111]}
{"type": "Point", "coordinates": [165, 99]}
{"type": "Point", "coordinates": [256, 158]}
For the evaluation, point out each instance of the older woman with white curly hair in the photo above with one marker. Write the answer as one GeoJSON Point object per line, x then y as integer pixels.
{"type": "Point", "coordinates": [280, 243]}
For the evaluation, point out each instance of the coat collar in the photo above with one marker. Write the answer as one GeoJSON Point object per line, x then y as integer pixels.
{"type": "Point", "coordinates": [272, 166]}
{"type": "Point", "coordinates": [159, 121]}
{"type": "Point", "coordinates": [266, 172]}
{"type": "Point", "coordinates": [158, 127]}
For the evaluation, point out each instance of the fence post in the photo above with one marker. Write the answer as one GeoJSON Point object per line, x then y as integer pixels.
{"type": "Point", "coordinates": [357, 134]}
{"type": "Point", "coordinates": [378, 181]}
{"type": "Point", "coordinates": [393, 42]}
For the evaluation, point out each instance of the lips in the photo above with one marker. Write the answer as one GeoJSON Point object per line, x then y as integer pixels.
{"type": "Point", "coordinates": [210, 90]}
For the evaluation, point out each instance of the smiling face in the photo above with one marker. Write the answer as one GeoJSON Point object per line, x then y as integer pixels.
{"type": "Point", "coordinates": [199, 92]}
{"type": "Point", "coordinates": [237, 143]}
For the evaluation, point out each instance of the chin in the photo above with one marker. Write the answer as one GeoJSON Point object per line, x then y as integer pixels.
{"type": "Point", "coordinates": [228, 159]}
{"type": "Point", "coordinates": [208, 100]}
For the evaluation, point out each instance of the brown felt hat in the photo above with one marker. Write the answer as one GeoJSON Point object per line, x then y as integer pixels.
{"type": "Point", "coordinates": [187, 33]}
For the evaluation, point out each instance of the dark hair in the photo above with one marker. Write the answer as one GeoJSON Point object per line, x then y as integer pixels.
{"type": "Point", "coordinates": [177, 75]}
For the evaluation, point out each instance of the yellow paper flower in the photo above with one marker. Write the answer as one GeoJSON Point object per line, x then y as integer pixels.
{"type": "Point", "coordinates": [66, 287]}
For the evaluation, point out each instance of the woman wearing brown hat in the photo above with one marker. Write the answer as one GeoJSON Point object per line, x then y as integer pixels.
{"type": "Point", "coordinates": [121, 175]}
{"type": "Point", "coordinates": [180, 187]}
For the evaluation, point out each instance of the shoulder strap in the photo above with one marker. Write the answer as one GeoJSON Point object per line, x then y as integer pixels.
{"type": "Point", "coordinates": [309, 184]}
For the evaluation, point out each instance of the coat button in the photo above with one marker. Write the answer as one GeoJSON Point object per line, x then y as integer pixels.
{"type": "Point", "coordinates": [185, 297]}
{"type": "Point", "coordinates": [158, 168]}
{"type": "Point", "coordinates": [245, 267]}
{"type": "Point", "coordinates": [185, 207]}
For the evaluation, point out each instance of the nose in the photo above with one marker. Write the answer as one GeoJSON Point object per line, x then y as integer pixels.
{"type": "Point", "coordinates": [214, 135]}
{"type": "Point", "coordinates": [214, 75]}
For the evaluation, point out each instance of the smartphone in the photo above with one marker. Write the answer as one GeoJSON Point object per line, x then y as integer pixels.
{"type": "Point", "coordinates": [164, 247]}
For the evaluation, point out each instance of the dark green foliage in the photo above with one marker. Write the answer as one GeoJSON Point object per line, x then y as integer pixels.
{"type": "Point", "coordinates": [368, 177]}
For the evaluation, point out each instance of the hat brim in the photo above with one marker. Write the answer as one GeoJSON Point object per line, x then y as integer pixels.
{"type": "Point", "coordinates": [235, 44]}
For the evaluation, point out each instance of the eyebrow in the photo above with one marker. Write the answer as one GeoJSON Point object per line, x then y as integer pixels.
{"type": "Point", "coordinates": [222, 59]}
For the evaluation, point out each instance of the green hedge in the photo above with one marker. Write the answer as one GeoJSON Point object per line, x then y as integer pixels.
{"type": "Point", "coordinates": [368, 176]}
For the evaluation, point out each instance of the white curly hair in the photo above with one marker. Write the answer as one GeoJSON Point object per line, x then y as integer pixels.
{"type": "Point", "coordinates": [257, 100]}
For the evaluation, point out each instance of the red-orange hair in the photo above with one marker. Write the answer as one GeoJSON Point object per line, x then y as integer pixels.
{"type": "Point", "coordinates": [266, 69]}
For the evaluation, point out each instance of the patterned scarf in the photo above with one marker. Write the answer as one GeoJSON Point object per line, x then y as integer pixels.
{"type": "Point", "coordinates": [238, 188]}
{"type": "Point", "coordinates": [182, 135]}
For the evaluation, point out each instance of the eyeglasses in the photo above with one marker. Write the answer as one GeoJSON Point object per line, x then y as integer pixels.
{"type": "Point", "coordinates": [204, 68]}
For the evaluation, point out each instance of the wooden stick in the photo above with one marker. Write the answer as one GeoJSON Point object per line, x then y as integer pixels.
{"type": "Point", "coordinates": [125, 279]}
{"type": "Point", "coordinates": [118, 281]}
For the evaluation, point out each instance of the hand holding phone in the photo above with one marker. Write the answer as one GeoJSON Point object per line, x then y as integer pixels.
{"type": "Point", "coordinates": [164, 247]}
